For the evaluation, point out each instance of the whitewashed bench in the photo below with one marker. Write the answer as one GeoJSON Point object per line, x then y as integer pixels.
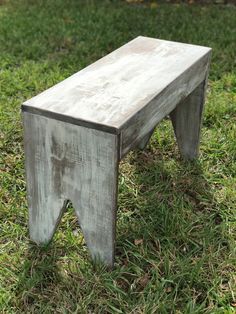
{"type": "Point", "coordinates": [76, 132]}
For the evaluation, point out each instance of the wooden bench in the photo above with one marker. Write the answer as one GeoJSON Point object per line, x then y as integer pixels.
{"type": "Point", "coordinates": [77, 131]}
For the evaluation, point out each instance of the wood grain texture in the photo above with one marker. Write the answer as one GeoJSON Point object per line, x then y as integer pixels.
{"type": "Point", "coordinates": [186, 120]}
{"type": "Point", "coordinates": [109, 93]}
{"type": "Point", "coordinates": [77, 131]}
{"type": "Point", "coordinates": [69, 162]}
{"type": "Point", "coordinates": [143, 121]}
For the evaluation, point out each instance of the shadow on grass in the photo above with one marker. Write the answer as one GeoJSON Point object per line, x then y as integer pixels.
{"type": "Point", "coordinates": [174, 207]}
{"type": "Point", "coordinates": [38, 272]}
{"type": "Point", "coordinates": [175, 227]}
{"type": "Point", "coordinates": [171, 232]}
{"type": "Point", "coordinates": [52, 275]}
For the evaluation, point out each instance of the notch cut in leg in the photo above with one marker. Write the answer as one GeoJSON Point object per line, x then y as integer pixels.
{"type": "Point", "coordinates": [66, 161]}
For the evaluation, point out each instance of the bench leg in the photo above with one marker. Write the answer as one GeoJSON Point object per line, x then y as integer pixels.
{"type": "Point", "coordinates": [144, 141]}
{"type": "Point", "coordinates": [70, 162]}
{"type": "Point", "coordinates": [186, 120]}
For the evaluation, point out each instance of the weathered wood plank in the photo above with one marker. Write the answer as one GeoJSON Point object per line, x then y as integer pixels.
{"type": "Point", "coordinates": [77, 131]}
{"type": "Point", "coordinates": [69, 162]}
{"type": "Point", "coordinates": [186, 120]}
{"type": "Point", "coordinates": [108, 93]}
{"type": "Point", "coordinates": [143, 121]}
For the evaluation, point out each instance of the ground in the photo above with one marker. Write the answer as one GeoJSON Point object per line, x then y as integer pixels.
{"type": "Point", "coordinates": [176, 220]}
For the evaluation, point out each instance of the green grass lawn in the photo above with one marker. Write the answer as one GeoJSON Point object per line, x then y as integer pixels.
{"type": "Point", "coordinates": [176, 220]}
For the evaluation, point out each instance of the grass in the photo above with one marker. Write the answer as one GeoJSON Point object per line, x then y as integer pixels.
{"type": "Point", "coordinates": [176, 220]}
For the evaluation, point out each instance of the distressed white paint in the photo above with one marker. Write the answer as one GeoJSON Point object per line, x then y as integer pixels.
{"type": "Point", "coordinates": [69, 162]}
{"type": "Point", "coordinates": [145, 120]}
{"type": "Point", "coordinates": [112, 90]}
{"type": "Point", "coordinates": [76, 132]}
{"type": "Point", "coordinates": [186, 120]}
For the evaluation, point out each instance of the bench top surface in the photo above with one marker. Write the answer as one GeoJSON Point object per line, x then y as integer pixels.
{"type": "Point", "coordinates": [107, 93]}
